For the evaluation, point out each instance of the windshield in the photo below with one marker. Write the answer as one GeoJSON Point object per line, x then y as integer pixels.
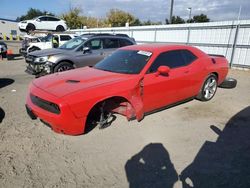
{"type": "Point", "coordinates": [48, 38]}
{"type": "Point", "coordinates": [36, 18]}
{"type": "Point", "coordinates": [73, 43]}
{"type": "Point", "coordinates": [125, 61]}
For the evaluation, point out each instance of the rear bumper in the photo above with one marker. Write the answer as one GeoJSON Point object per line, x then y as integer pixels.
{"type": "Point", "coordinates": [64, 123]}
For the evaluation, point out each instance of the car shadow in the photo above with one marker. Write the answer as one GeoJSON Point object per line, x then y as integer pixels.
{"type": "Point", "coordinates": [14, 57]}
{"type": "Point", "coordinates": [151, 167]}
{"type": "Point", "coordinates": [226, 162]}
{"type": "Point", "coordinates": [5, 82]}
{"type": "Point", "coordinates": [2, 115]}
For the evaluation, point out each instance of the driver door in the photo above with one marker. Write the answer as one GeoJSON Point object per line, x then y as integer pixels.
{"type": "Point", "coordinates": [163, 90]}
{"type": "Point", "coordinates": [41, 23]}
{"type": "Point", "coordinates": [90, 58]}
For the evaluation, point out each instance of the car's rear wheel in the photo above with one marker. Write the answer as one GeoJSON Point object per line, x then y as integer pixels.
{"type": "Point", "coordinates": [63, 66]}
{"type": "Point", "coordinates": [30, 28]}
{"type": "Point", "coordinates": [60, 28]}
{"type": "Point", "coordinates": [208, 89]}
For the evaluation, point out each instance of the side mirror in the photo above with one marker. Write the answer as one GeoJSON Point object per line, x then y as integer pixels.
{"type": "Point", "coordinates": [163, 70]}
{"type": "Point", "coordinates": [38, 20]}
{"type": "Point", "coordinates": [86, 50]}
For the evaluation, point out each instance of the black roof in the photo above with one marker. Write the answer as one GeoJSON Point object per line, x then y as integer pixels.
{"type": "Point", "coordinates": [104, 34]}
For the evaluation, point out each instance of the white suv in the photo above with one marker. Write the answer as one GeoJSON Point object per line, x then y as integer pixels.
{"type": "Point", "coordinates": [43, 23]}
{"type": "Point", "coordinates": [47, 42]}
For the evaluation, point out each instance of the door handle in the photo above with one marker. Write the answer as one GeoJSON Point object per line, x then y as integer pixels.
{"type": "Point", "coordinates": [187, 71]}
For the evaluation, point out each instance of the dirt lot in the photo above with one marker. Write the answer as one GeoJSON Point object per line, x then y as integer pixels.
{"type": "Point", "coordinates": [195, 139]}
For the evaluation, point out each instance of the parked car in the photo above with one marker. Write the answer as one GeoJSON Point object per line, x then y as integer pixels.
{"type": "Point", "coordinates": [43, 23]}
{"type": "Point", "coordinates": [81, 51]}
{"type": "Point", "coordinates": [48, 42]}
{"type": "Point", "coordinates": [3, 49]}
{"type": "Point", "coordinates": [133, 81]}
{"type": "Point", "coordinates": [27, 39]}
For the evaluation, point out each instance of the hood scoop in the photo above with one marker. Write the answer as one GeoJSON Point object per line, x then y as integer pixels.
{"type": "Point", "coordinates": [72, 81]}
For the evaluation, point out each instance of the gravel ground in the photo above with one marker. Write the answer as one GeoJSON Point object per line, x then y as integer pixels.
{"type": "Point", "coordinates": [195, 139]}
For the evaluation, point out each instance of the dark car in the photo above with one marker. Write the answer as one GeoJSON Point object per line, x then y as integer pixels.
{"type": "Point", "coordinates": [85, 50]}
{"type": "Point", "coordinates": [3, 49]}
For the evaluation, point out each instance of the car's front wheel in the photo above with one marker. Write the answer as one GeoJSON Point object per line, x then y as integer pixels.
{"type": "Point", "coordinates": [208, 89]}
{"type": "Point", "coordinates": [30, 28]}
{"type": "Point", "coordinates": [63, 66]}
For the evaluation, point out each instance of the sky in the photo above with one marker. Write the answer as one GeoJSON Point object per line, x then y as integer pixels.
{"type": "Point", "coordinates": [154, 10]}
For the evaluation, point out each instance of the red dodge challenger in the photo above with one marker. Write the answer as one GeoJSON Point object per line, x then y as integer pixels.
{"type": "Point", "coordinates": [133, 81]}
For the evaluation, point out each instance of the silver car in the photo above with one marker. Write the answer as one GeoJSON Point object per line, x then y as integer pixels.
{"type": "Point", "coordinates": [85, 50]}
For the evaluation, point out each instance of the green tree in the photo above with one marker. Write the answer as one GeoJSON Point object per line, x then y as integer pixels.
{"type": "Point", "coordinates": [177, 20]}
{"type": "Point", "coordinates": [200, 18]}
{"type": "Point", "coordinates": [149, 22]}
{"type": "Point", "coordinates": [32, 13]}
{"type": "Point", "coordinates": [118, 18]}
{"type": "Point", "coordinates": [73, 18]}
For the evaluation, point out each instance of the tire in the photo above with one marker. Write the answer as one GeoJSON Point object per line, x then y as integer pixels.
{"type": "Point", "coordinates": [60, 28]}
{"type": "Point", "coordinates": [228, 83]}
{"type": "Point", "coordinates": [30, 28]}
{"type": "Point", "coordinates": [208, 89]}
{"type": "Point", "coordinates": [63, 66]}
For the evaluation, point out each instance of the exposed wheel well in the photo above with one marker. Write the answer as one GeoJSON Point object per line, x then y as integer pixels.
{"type": "Point", "coordinates": [115, 104]}
{"type": "Point", "coordinates": [216, 74]}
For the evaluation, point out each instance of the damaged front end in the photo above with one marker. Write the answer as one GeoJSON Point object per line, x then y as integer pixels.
{"type": "Point", "coordinates": [38, 66]}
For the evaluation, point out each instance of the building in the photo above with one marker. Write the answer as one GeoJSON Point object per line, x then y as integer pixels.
{"type": "Point", "coordinates": [8, 29]}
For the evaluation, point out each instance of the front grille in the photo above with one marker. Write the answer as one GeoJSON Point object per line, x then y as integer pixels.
{"type": "Point", "coordinates": [46, 105]}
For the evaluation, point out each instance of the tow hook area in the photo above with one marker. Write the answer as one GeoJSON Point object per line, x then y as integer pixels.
{"type": "Point", "coordinates": [228, 83]}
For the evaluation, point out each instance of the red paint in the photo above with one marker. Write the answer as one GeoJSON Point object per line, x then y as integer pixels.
{"type": "Point", "coordinates": [141, 92]}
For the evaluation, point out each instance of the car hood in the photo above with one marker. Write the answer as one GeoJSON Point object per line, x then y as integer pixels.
{"type": "Point", "coordinates": [65, 83]}
{"type": "Point", "coordinates": [47, 52]}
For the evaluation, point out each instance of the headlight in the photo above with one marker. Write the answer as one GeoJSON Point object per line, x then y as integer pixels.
{"type": "Point", "coordinates": [52, 59]}
{"type": "Point", "coordinates": [41, 59]}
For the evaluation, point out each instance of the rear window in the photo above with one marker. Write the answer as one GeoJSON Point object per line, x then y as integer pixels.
{"type": "Point", "coordinates": [65, 37]}
{"type": "Point", "coordinates": [111, 43]}
{"type": "Point", "coordinates": [125, 42]}
{"type": "Point", "coordinates": [188, 56]}
{"type": "Point", "coordinates": [53, 19]}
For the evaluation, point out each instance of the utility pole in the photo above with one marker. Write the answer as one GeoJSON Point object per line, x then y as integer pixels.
{"type": "Point", "coordinates": [171, 11]}
{"type": "Point", "coordinates": [190, 12]}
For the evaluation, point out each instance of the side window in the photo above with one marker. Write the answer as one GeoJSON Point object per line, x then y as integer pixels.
{"type": "Point", "coordinates": [125, 42]}
{"type": "Point", "coordinates": [64, 37]}
{"type": "Point", "coordinates": [172, 59]}
{"type": "Point", "coordinates": [44, 18]}
{"type": "Point", "coordinates": [52, 19]}
{"type": "Point", "coordinates": [111, 43]}
{"type": "Point", "coordinates": [94, 44]}
{"type": "Point", "coordinates": [188, 56]}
